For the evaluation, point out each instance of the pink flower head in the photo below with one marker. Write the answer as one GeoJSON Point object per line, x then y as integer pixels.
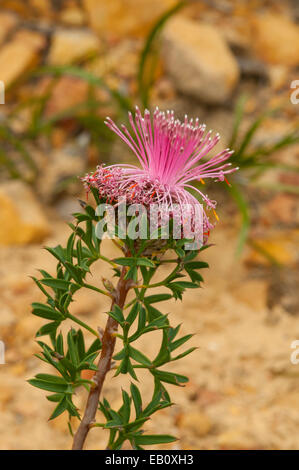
{"type": "Point", "coordinates": [172, 154]}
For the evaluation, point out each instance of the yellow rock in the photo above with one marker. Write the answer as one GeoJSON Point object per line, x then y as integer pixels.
{"type": "Point", "coordinates": [27, 326]}
{"type": "Point", "coordinates": [66, 93]}
{"type": "Point", "coordinates": [21, 218]}
{"type": "Point", "coordinates": [231, 391]}
{"type": "Point", "coordinates": [73, 16]}
{"type": "Point", "coordinates": [199, 61]}
{"type": "Point", "coordinates": [7, 22]}
{"type": "Point", "coordinates": [235, 410]}
{"type": "Point", "coordinates": [30, 38]}
{"type": "Point", "coordinates": [69, 46]}
{"type": "Point", "coordinates": [276, 39]}
{"type": "Point", "coordinates": [42, 7]}
{"type": "Point", "coordinates": [236, 439]}
{"type": "Point", "coordinates": [16, 6]}
{"type": "Point", "coordinates": [281, 247]}
{"type": "Point", "coordinates": [7, 317]}
{"type": "Point", "coordinates": [124, 17]}
{"type": "Point", "coordinates": [20, 54]}
{"type": "Point", "coordinates": [18, 369]}
{"type": "Point", "coordinates": [197, 423]}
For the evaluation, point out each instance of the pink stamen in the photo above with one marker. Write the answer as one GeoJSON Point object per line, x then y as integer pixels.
{"type": "Point", "coordinates": [169, 152]}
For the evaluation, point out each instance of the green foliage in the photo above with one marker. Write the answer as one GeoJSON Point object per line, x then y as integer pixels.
{"type": "Point", "coordinates": [243, 206]}
{"type": "Point", "coordinates": [15, 154]}
{"type": "Point", "coordinates": [148, 56]}
{"type": "Point", "coordinates": [22, 165]}
{"type": "Point", "coordinates": [122, 429]}
{"type": "Point", "coordinates": [68, 361]}
{"type": "Point", "coordinates": [253, 161]}
{"type": "Point", "coordinates": [248, 156]}
{"type": "Point", "coordinates": [90, 78]}
{"type": "Point", "coordinates": [68, 354]}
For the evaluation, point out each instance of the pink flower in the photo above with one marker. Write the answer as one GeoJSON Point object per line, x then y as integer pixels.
{"type": "Point", "coordinates": [171, 155]}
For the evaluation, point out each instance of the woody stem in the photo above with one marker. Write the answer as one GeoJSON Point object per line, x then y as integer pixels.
{"type": "Point", "coordinates": [104, 364]}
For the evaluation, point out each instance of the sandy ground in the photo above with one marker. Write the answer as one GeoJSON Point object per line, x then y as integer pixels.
{"type": "Point", "coordinates": [243, 390]}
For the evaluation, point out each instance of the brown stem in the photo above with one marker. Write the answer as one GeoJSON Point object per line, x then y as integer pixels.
{"type": "Point", "coordinates": [104, 364]}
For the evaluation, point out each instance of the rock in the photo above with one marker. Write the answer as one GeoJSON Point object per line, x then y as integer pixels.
{"type": "Point", "coordinates": [164, 90]}
{"type": "Point", "coordinates": [276, 39]}
{"type": "Point", "coordinates": [236, 439]}
{"type": "Point", "coordinates": [7, 22]}
{"type": "Point", "coordinates": [122, 61]}
{"type": "Point", "coordinates": [69, 46]}
{"type": "Point", "coordinates": [119, 18]}
{"type": "Point", "coordinates": [67, 93]}
{"type": "Point", "coordinates": [252, 67]}
{"type": "Point", "coordinates": [62, 175]}
{"type": "Point", "coordinates": [281, 209]}
{"type": "Point", "coordinates": [199, 61]}
{"type": "Point", "coordinates": [31, 39]}
{"type": "Point", "coordinates": [278, 76]}
{"type": "Point", "coordinates": [283, 290]}
{"type": "Point", "coordinates": [7, 317]}
{"type": "Point", "coordinates": [290, 178]}
{"type": "Point", "coordinates": [285, 368]}
{"type": "Point", "coordinates": [14, 5]}
{"type": "Point", "coordinates": [42, 7]}
{"type": "Point", "coordinates": [27, 327]}
{"type": "Point", "coordinates": [18, 369]}
{"type": "Point", "coordinates": [6, 395]}
{"type": "Point", "coordinates": [280, 247]}
{"type": "Point", "coordinates": [18, 285]}
{"type": "Point", "coordinates": [73, 16]}
{"type": "Point", "coordinates": [205, 397]}
{"type": "Point", "coordinates": [20, 54]}
{"type": "Point", "coordinates": [199, 424]}
{"type": "Point", "coordinates": [21, 218]}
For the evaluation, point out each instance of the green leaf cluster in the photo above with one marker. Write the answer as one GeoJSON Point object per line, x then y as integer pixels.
{"type": "Point", "coordinates": [69, 356]}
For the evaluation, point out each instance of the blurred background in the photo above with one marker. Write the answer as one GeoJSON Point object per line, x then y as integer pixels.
{"type": "Point", "coordinates": [66, 65]}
